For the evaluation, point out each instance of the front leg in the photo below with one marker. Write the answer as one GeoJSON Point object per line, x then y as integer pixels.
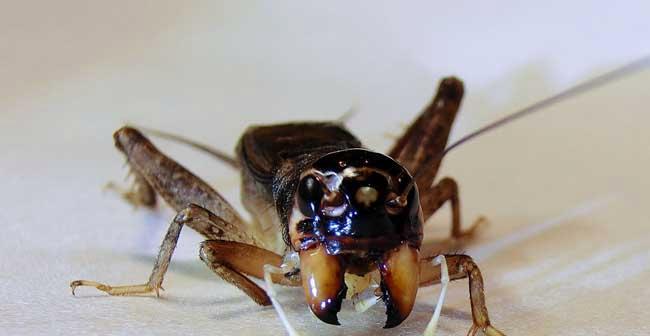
{"type": "Point", "coordinates": [460, 267]}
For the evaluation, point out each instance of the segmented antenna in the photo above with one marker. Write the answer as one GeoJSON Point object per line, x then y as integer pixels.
{"type": "Point", "coordinates": [593, 83]}
{"type": "Point", "coordinates": [204, 148]}
{"type": "Point", "coordinates": [573, 91]}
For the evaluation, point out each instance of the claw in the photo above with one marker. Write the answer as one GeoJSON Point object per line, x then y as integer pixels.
{"type": "Point", "coordinates": [73, 286]}
{"type": "Point", "coordinates": [323, 281]}
{"type": "Point", "coordinates": [400, 274]}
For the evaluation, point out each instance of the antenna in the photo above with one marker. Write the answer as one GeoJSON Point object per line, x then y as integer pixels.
{"type": "Point", "coordinates": [566, 94]}
{"type": "Point", "coordinates": [583, 87]}
{"type": "Point", "coordinates": [225, 158]}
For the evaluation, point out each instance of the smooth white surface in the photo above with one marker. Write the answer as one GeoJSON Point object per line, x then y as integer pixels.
{"type": "Point", "coordinates": [566, 191]}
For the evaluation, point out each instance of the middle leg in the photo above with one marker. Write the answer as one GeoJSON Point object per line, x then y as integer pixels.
{"type": "Point", "coordinates": [228, 259]}
{"type": "Point", "coordinates": [232, 261]}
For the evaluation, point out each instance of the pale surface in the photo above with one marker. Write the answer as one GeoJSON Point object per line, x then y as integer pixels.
{"type": "Point", "coordinates": [566, 191]}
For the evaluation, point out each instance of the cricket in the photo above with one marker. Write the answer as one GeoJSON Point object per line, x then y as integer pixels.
{"type": "Point", "coordinates": [329, 215]}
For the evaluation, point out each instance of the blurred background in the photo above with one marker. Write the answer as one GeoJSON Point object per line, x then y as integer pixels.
{"type": "Point", "coordinates": [565, 190]}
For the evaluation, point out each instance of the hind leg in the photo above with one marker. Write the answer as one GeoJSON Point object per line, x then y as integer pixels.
{"type": "Point", "coordinates": [198, 206]}
{"type": "Point", "coordinates": [175, 184]}
{"type": "Point", "coordinates": [419, 150]}
{"type": "Point", "coordinates": [426, 138]}
{"type": "Point", "coordinates": [140, 194]}
{"type": "Point", "coordinates": [154, 284]}
{"type": "Point", "coordinates": [447, 191]}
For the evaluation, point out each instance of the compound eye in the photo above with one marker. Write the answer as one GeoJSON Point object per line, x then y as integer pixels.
{"type": "Point", "coordinates": [310, 194]}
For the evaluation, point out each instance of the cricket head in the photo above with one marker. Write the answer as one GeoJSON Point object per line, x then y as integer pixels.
{"type": "Point", "coordinates": [357, 211]}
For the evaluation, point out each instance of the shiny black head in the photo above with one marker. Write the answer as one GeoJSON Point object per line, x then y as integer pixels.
{"type": "Point", "coordinates": [355, 201]}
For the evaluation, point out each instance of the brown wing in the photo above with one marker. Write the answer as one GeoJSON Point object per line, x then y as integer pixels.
{"type": "Point", "coordinates": [263, 150]}
{"type": "Point", "coordinates": [272, 158]}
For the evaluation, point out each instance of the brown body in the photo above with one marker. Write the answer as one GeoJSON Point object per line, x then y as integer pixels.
{"type": "Point", "coordinates": [272, 160]}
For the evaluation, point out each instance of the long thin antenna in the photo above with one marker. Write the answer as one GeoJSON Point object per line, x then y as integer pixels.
{"type": "Point", "coordinates": [573, 91]}
{"type": "Point", "coordinates": [204, 148]}
{"type": "Point", "coordinates": [593, 83]}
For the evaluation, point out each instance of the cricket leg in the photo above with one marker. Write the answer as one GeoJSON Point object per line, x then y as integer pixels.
{"type": "Point", "coordinates": [173, 182]}
{"type": "Point", "coordinates": [425, 139]}
{"type": "Point", "coordinates": [419, 147]}
{"type": "Point", "coordinates": [157, 274]}
{"type": "Point", "coordinates": [460, 267]}
{"type": "Point", "coordinates": [232, 261]}
{"type": "Point", "coordinates": [447, 190]}
{"type": "Point", "coordinates": [199, 206]}
{"type": "Point", "coordinates": [226, 258]}
{"type": "Point", "coordinates": [139, 194]}
{"type": "Point", "coordinates": [180, 188]}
